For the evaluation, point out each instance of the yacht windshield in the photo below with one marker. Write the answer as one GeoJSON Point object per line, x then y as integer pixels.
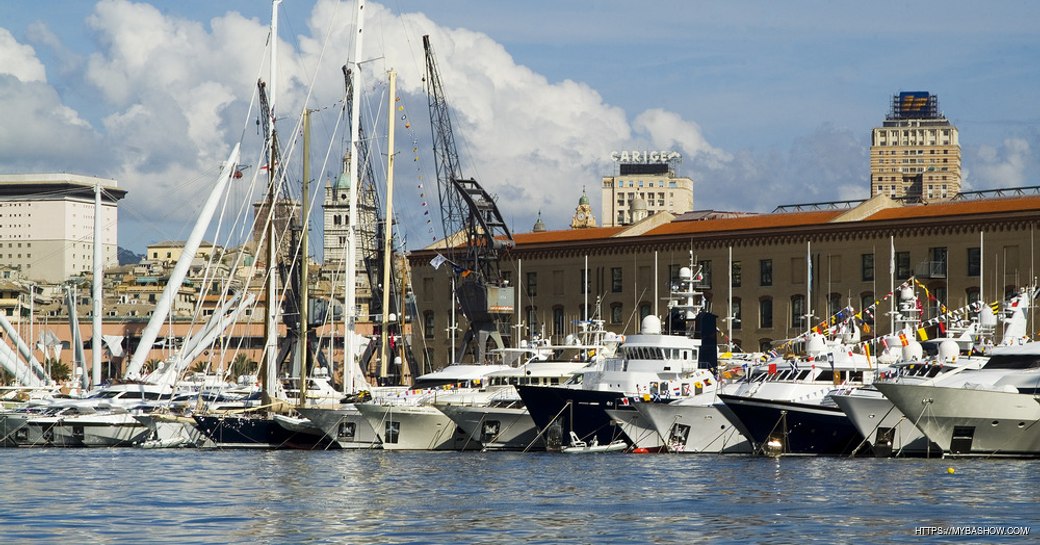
{"type": "Point", "coordinates": [1013, 361]}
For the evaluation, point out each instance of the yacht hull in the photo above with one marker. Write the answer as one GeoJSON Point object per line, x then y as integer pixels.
{"type": "Point", "coordinates": [496, 428]}
{"type": "Point", "coordinates": [99, 430]}
{"type": "Point", "coordinates": [170, 430]}
{"type": "Point", "coordinates": [802, 429]}
{"type": "Point", "coordinates": [344, 426]}
{"type": "Point", "coordinates": [253, 432]}
{"type": "Point", "coordinates": [559, 411]}
{"type": "Point", "coordinates": [14, 430]}
{"type": "Point", "coordinates": [415, 427]}
{"type": "Point", "coordinates": [970, 422]}
{"type": "Point", "coordinates": [695, 428]}
{"type": "Point", "coordinates": [886, 429]}
{"type": "Point", "coordinates": [637, 427]}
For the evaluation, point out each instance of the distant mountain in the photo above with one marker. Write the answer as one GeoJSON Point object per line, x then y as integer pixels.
{"type": "Point", "coordinates": [126, 257]}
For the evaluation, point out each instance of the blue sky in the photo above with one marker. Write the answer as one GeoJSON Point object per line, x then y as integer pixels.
{"type": "Point", "coordinates": [770, 103]}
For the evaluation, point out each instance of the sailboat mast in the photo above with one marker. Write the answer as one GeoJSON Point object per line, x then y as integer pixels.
{"type": "Point", "coordinates": [95, 340]}
{"type": "Point", "coordinates": [270, 377]}
{"type": "Point", "coordinates": [388, 230]}
{"type": "Point", "coordinates": [304, 259]}
{"type": "Point", "coordinates": [351, 282]}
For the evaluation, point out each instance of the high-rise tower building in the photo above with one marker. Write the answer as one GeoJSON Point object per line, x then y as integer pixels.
{"type": "Point", "coordinates": [915, 154]}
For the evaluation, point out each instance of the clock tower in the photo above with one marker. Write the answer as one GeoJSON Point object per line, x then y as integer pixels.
{"type": "Point", "coordinates": [583, 213]}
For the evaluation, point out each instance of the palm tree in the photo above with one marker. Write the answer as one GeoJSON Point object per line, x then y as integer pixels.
{"type": "Point", "coordinates": [60, 371]}
{"type": "Point", "coordinates": [243, 365]}
{"type": "Point", "coordinates": [150, 365]}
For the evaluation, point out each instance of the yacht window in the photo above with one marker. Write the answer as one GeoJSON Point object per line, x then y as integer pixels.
{"type": "Point", "coordinates": [934, 370]}
{"type": "Point", "coordinates": [1013, 361]}
{"type": "Point", "coordinates": [857, 376]}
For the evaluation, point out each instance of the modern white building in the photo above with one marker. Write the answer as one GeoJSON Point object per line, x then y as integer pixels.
{"type": "Point", "coordinates": [47, 224]}
{"type": "Point", "coordinates": [647, 182]}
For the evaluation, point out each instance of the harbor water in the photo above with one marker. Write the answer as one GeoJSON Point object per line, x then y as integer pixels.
{"type": "Point", "coordinates": [199, 496]}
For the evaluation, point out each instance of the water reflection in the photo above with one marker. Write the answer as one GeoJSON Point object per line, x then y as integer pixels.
{"type": "Point", "coordinates": [211, 497]}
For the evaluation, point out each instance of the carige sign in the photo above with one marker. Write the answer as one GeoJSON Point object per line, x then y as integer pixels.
{"type": "Point", "coordinates": [643, 156]}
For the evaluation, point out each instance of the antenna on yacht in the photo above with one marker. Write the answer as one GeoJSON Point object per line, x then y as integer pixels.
{"type": "Point", "coordinates": [808, 284]}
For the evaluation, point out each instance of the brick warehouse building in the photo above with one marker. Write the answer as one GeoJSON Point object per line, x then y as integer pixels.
{"type": "Point", "coordinates": [948, 247]}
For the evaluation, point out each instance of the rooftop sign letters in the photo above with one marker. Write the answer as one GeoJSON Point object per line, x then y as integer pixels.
{"type": "Point", "coordinates": [643, 156]}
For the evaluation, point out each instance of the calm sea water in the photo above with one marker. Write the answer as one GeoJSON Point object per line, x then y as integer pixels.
{"type": "Point", "coordinates": [294, 497]}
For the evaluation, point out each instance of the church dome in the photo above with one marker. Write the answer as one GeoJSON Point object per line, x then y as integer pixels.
{"type": "Point", "coordinates": [638, 204]}
{"type": "Point", "coordinates": [344, 181]}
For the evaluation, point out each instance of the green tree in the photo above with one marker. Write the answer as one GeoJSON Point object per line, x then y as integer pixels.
{"type": "Point", "coordinates": [243, 365]}
{"type": "Point", "coordinates": [60, 371]}
{"type": "Point", "coordinates": [150, 365]}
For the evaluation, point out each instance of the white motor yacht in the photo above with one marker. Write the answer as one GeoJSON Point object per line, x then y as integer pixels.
{"type": "Point", "coordinates": [992, 411]}
{"type": "Point", "coordinates": [501, 421]}
{"type": "Point", "coordinates": [886, 428]}
{"type": "Point", "coordinates": [653, 364]}
{"type": "Point", "coordinates": [409, 420]}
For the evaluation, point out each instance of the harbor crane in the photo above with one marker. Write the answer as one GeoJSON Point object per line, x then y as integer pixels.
{"type": "Point", "coordinates": [475, 233]}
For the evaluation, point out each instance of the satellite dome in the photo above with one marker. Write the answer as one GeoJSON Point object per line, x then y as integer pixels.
{"type": "Point", "coordinates": [949, 350]}
{"type": "Point", "coordinates": [651, 325]}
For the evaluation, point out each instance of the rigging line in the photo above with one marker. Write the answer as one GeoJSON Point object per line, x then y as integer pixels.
{"type": "Point", "coordinates": [866, 436]}
{"type": "Point", "coordinates": [546, 428]}
{"type": "Point", "coordinates": [760, 449]}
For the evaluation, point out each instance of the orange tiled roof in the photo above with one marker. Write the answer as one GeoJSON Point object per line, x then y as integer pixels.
{"type": "Point", "coordinates": [959, 208]}
{"type": "Point", "coordinates": [761, 221]}
{"type": "Point", "coordinates": [786, 220]}
{"type": "Point", "coordinates": [566, 235]}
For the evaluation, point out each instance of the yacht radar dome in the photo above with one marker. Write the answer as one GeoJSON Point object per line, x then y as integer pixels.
{"type": "Point", "coordinates": [651, 325]}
